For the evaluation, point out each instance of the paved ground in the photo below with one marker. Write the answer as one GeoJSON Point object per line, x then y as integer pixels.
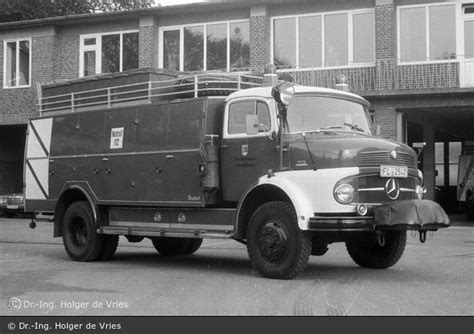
{"type": "Point", "coordinates": [37, 278]}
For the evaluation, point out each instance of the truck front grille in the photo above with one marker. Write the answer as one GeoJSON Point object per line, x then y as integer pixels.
{"type": "Point", "coordinates": [371, 189]}
{"type": "Point", "coordinates": [376, 158]}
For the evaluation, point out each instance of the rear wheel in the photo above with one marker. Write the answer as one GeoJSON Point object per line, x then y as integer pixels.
{"type": "Point", "coordinates": [81, 241]}
{"type": "Point", "coordinates": [277, 247]}
{"type": "Point", "coordinates": [369, 253]}
{"type": "Point", "coordinates": [176, 246]}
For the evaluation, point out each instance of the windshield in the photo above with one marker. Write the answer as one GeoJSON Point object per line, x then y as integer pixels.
{"type": "Point", "coordinates": [311, 113]}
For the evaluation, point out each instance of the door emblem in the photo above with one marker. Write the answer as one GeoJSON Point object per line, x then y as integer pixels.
{"type": "Point", "coordinates": [392, 189]}
{"type": "Point", "coordinates": [245, 150]}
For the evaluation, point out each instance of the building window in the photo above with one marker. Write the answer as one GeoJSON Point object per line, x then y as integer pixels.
{"type": "Point", "coordinates": [17, 63]}
{"type": "Point", "coordinates": [324, 40]}
{"type": "Point", "coordinates": [206, 47]}
{"type": "Point", "coordinates": [108, 53]}
{"type": "Point", "coordinates": [427, 32]}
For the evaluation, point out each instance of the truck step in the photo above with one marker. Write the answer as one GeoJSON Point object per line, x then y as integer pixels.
{"type": "Point", "coordinates": [165, 233]}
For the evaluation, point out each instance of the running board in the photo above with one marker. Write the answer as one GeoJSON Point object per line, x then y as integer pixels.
{"type": "Point", "coordinates": [116, 230]}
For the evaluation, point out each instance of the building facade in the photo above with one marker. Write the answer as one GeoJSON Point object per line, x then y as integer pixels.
{"type": "Point", "coordinates": [412, 59]}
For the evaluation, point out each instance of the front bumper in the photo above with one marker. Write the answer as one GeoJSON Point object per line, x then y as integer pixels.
{"type": "Point", "coordinates": [420, 215]}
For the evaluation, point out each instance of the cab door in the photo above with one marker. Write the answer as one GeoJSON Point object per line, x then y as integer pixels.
{"type": "Point", "coordinates": [247, 155]}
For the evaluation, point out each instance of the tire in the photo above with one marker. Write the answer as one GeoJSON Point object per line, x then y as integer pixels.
{"type": "Point", "coordinates": [176, 246]}
{"type": "Point", "coordinates": [134, 238]}
{"type": "Point", "coordinates": [276, 246]}
{"type": "Point", "coordinates": [110, 246]}
{"type": "Point", "coordinates": [81, 241]}
{"type": "Point", "coordinates": [367, 253]}
{"type": "Point", "coordinates": [194, 245]}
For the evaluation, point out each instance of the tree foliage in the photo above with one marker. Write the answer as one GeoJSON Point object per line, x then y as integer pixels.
{"type": "Point", "coordinates": [20, 10]}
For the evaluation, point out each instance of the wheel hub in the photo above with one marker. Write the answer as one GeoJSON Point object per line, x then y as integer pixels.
{"type": "Point", "coordinates": [79, 232]}
{"type": "Point", "coordinates": [273, 241]}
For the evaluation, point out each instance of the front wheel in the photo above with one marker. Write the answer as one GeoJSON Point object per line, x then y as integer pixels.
{"type": "Point", "coordinates": [81, 241]}
{"type": "Point", "coordinates": [370, 253]}
{"type": "Point", "coordinates": [276, 246]}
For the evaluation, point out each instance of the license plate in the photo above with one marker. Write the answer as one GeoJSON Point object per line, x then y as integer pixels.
{"type": "Point", "coordinates": [12, 207]}
{"type": "Point", "coordinates": [394, 171]}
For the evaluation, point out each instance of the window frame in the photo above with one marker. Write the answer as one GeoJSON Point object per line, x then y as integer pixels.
{"type": "Point", "coordinates": [17, 58]}
{"type": "Point", "coordinates": [350, 40]}
{"type": "Point", "coordinates": [98, 49]}
{"type": "Point", "coordinates": [181, 28]}
{"type": "Point", "coordinates": [271, 109]}
{"type": "Point", "coordinates": [427, 36]}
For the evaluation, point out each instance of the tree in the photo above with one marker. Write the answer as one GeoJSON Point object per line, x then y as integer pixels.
{"type": "Point", "coordinates": [20, 10]}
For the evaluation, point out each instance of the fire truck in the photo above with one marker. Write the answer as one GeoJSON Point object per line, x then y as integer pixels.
{"type": "Point", "coordinates": [285, 169]}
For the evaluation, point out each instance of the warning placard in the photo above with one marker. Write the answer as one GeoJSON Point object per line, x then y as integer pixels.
{"type": "Point", "coordinates": [116, 138]}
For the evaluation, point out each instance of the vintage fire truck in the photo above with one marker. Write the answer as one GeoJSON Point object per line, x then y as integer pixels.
{"type": "Point", "coordinates": [284, 169]}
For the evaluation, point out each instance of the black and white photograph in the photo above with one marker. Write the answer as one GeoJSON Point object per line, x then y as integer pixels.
{"type": "Point", "coordinates": [270, 161]}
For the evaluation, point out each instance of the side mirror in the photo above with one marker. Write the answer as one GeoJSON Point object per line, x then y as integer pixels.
{"type": "Point", "coordinates": [251, 122]}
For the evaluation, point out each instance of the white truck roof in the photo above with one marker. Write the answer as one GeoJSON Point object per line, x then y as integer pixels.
{"type": "Point", "coordinates": [266, 92]}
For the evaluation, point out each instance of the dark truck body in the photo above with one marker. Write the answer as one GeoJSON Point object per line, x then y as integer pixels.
{"type": "Point", "coordinates": [180, 165]}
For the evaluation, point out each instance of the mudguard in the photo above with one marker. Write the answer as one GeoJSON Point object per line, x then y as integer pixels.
{"type": "Point", "coordinates": [411, 215]}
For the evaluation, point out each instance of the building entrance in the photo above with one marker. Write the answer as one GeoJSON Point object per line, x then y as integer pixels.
{"type": "Point", "coordinates": [446, 133]}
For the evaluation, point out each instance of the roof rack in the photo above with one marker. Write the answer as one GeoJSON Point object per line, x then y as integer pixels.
{"type": "Point", "coordinates": [71, 96]}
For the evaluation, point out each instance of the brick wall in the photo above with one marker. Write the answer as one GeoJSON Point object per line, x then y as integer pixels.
{"type": "Point", "coordinates": [385, 30]}
{"type": "Point", "coordinates": [360, 79]}
{"type": "Point", "coordinates": [67, 59]}
{"type": "Point", "coordinates": [19, 104]}
{"type": "Point", "coordinates": [259, 39]}
{"type": "Point", "coordinates": [386, 121]}
{"type": "Point", "coordinates": [148, 43]}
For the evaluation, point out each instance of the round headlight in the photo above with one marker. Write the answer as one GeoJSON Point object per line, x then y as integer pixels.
{"type": "Point", "coordinates": [284, 93]}
{"type": "Point", "coordinates": [344, 193]}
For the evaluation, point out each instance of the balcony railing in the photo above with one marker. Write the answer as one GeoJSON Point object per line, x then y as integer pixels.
{"type": "Point", "coordinates": [385, 75]}
{"type": "Point", "coordinates": [207, 84]}
{"type": "Point", "coordinates": [393, 76]}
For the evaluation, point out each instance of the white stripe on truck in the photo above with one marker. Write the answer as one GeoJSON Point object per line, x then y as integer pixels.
{"type": "Point", "coordinates": [37, 159]}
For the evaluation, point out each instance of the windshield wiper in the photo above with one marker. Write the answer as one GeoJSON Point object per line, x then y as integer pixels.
{"type": "Point", "coordinates": [325, 128]}
{"type": "Point", "coordinates": [354, 127]}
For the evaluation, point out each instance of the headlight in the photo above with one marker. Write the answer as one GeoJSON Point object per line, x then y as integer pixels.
{"type": "Point", "coordinates": [284, 93]}
{"type": "Point", "coordinates": [420, 191]}
{"type": "Point", "coordinates": [344, 193]}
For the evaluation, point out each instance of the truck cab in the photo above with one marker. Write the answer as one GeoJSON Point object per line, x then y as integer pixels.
{"type": "Point", "coordinates": [285, 169]}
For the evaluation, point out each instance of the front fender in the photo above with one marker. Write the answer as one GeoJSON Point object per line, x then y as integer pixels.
{"type": "Point", "coordinates": [308, 191]}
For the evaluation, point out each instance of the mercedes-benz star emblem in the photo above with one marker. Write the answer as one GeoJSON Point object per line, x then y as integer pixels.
{"type": "Point", "coordinates": [392, 189]}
